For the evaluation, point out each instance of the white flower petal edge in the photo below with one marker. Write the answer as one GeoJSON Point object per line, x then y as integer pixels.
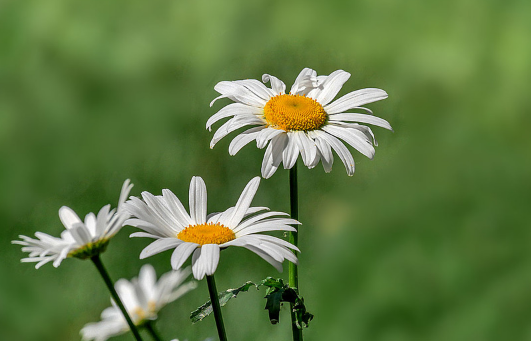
{"type": "Point", "coordinates": [286, 144]}
{"type": "Point", "coordinates": [143, 297]}
{"type": "Point", "coordinates": [79, 236]}
{"type": "Point", "coordinates": [202, 236]}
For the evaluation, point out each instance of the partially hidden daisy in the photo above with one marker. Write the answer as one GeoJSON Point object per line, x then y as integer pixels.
{"type": "Point", "coordinates": [164, 218]}
{"type": "Point", "coordinates": [81, 239]}
{"type": "Point", "coordinates": [304, 121]}
{"type": "Point", "coordinates": [143, 297]}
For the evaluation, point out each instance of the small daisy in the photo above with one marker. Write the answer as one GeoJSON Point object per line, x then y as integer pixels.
{"type": "Point", "coordinates": [304, 121]}
{"type": "Point", "coordinates": [143, 298]}
{"type": "Point", "coordinates": [165, 219]}
{"type": "Point", "coordinates": [80, 239]}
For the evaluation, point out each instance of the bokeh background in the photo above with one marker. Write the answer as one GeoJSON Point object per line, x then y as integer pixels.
{"type": "Point", "coordinates": [428, 241]}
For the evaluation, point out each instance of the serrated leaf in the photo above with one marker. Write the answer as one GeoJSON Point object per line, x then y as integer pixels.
{"type": "Point", "coordinates": [277, 293]}
{"type": "Point", "coordinates": [206, 309]}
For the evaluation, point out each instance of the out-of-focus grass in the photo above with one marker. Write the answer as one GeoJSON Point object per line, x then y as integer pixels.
{"type": "Point", "coordinates": [429, 241]}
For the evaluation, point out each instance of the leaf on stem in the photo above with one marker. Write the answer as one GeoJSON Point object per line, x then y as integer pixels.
{"type": "Point", "coordinates": [276, 294]}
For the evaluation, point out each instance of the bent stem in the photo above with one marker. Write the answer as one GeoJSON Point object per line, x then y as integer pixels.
{"type": "Point", "coordinates": [99, 265]}
{"type": "Point", "coordinates": [293, 239]}
{"type": "Point", "coordinates": [215, 307]}
{"type": "Point", "coordinates": [150, 326]}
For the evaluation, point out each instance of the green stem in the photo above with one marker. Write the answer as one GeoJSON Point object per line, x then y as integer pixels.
{"type": "Point", "coordinates": [99, 265]}
{"type": "Point", "coordinates": [150, 326]}
{"type": "Point", "coordinates": [216, 307]}
{"type": "Point", "coordinates": [293, 239]}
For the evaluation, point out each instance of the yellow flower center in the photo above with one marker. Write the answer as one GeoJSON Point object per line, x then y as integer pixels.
{"type": "Point", "coordinates": [206, 234]}
{"type": "Point", "coordinates": [294, 112]}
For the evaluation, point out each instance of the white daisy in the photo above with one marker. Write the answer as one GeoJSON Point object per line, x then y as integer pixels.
{"type": "Point", "coordinates": [80, 239]}
{"type": "Point", "coordinates": [143, 298]}
{"type": "Point", "coordinates": [165, 219]}
{"type": "Point", "coordinates": [304, 121]}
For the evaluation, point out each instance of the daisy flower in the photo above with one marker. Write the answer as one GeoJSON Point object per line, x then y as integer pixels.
{"type": "Point", "coordinates": [304, 121]}
{"type": "Point", "coordinates": [80, 239]}
{"type": "Point", "coordinates": [143, 297]}
{"type": "Point", "coordinates": [165, 219]}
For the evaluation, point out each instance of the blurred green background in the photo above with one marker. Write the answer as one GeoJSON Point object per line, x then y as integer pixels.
{"type": "Point", "coordinates": [428, 241]}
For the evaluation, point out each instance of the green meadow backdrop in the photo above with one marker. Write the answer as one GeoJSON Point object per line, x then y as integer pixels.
{"type": "Point", "coordinates": [428, 241]}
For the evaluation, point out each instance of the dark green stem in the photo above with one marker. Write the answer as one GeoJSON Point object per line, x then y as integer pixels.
{"type": "Point", "coordinates": [150, 326]}
{"type": "Point", "coordinates": [216, 307]}
{"type": "Point", "coordinates": [293, 239]}
{"type": "Point", "coordinates": [99, 265]}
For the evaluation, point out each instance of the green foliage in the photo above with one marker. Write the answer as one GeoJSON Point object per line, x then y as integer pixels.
{"type": "Point", "coordinates": [276, 293]}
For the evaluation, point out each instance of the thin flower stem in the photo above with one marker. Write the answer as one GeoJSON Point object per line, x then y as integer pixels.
{"type": "Point", "coordinates": [216, 307]}
{"type": "Point", "coordinates": [150, 326]}
{"type": "Point", "coordinates": [99, 265]}
{"type": "Point", "coordinates": [293, 239]}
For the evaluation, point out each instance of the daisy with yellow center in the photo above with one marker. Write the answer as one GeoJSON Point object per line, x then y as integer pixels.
{"type": "Point", "coordinates": [143, 297]}
{"type": "Point", "coordinates": [202, 236]}
{"type": "Point", "coordinates": [304, 121]}
{"type": "Point", "coordinates": [80, 239]}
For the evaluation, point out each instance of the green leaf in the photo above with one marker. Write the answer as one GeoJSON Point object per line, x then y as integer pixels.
{"type": "Point", "coordinates": [206, 309]}
{"type": "Point", "coordinates": [276, 294]}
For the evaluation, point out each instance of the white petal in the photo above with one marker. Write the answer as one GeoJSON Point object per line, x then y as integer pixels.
{"type": "Point", "coordinates": [235, 124]}
{"type": "Point", "coordinates": [233, 109]}
{"type": "Point", "coordinates": [291, 152]}
{"type": "Point", "coordinates": [68, 217]}
{"type": "Point", "coordinates": [181, 254]}
{"type": "Point", "coordinates": [340, 149]}
{"type": "Point", "coordinates": [353, 138]}
{"type": "Point", "coordinates": [198, 200]}
{"type": "Point", "coordinates": [159, 246]}
{"type": "Point", "coordinates": [355, 99]}
{"type": "Point", "coordinates": [331, 86]}
{"type": "Point", "coordinates": [243, 203]}
{"type": "Point", "coordinates": [176, 207]}
{"type": "Point", "coordinates": [205, 260]}
{"type": "Point", "coordinates": [256, 218]}
{"type": "Point", "coordinates": [276, 84]}
{"type": "Point", "coordinates": [306, 146]}
{"type": "Point", "coordinates": [80, 233]}
{"type": "Point", "coordinates": [265, 135]}
{"type": "Point", "coordinates": [273, 155]}
{"type": "Point", "coordinates": [257, 88]}
{"type": "Point", "coordinates": [306, 80]}
{"type": "Point", "coordinates": [124, 193]}
{"type": "Point", "coordinates": [265, 257]}
{"type": "Point", "coordinates": [143, 235]}
{"type": "Point", "coordinates": [363, 118]}
{"type": "Point", "coordinates": [244, 138]}
{"type": "Point", "coordinates": [238, 93]}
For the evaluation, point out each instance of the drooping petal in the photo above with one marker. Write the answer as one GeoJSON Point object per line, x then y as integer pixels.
{"type": "Point", "coordinates": [181, 254]}
{"type": "Point", "coordinates": [277, 85]}
{"type": "Point", "coordinates": [351, 136]}
{"type": "Point", "coordinates": [242, 139]}
{"type": "Point", "coordinates": [158, 246]}
{"type": "Point", "coordinates": [340, 149]}
{"type": "Point", "coordinates": [291, 152]}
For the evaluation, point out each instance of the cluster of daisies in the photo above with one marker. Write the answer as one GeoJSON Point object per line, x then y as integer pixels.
{"type": "Point", "coordinates": [306, 121]}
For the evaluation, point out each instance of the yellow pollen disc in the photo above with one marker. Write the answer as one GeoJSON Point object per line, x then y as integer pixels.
{"type": "Point", "coordinates": [294, 112]}
{"type": "Point", "coordinates": [206, 234]}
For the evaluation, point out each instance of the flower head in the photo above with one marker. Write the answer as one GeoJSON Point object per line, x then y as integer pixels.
{"type": "Point", "coordinates": [304, 121]}
{"type": "Point", "coordinates": [143, 297]}
{"type": "Point", "coordinates": [81, 239]}
{"type": "Point", "coordinates": [164, 218]}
